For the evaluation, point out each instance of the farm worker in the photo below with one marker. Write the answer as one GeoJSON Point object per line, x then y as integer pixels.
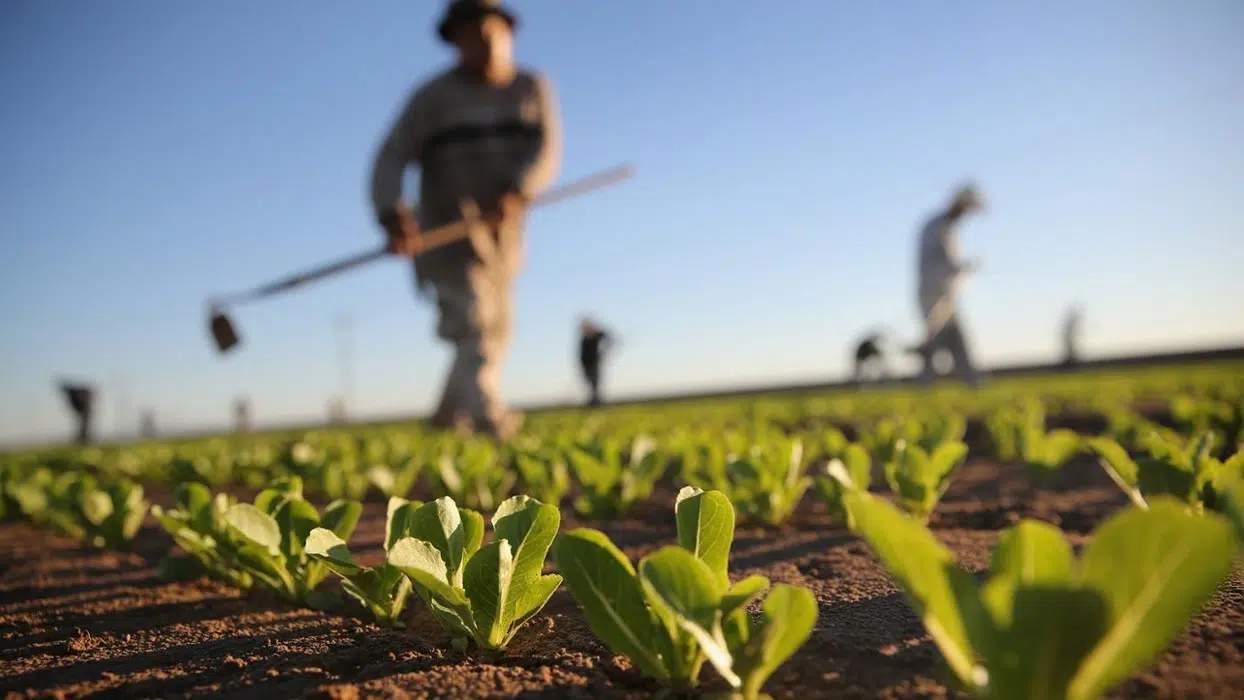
{"type": "Point", "coordinates": [941, 271]}
{"type": "Point", "coordinates": [594, 341]}
{"type": "Point", "coordinates": [1071, 336]}
{"type": "Point", "coordinates": [80, 398]}
{"type": "Point", "coordinates": [485, 134]}
{"type": "Point", "coordinates": [870, 358]}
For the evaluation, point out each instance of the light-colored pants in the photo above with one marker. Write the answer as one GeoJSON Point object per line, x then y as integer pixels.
{"type": "Point", "coordinates": [948, 337]}
{"type": "Point", "coordinates": [475, 314]}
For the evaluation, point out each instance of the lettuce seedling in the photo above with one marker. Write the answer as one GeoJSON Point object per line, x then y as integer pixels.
{"type": "Point", "coordinates": [940, 428]}
{"type": "Point", "coordinates": [383, 590]}
{"type": "Point", "coordinates": [919, 479]}
{"type": "Point", "coordinates": [48, 499]}
{"type": "Point", "coordinates": [473, 474]}
{"type": "Point", "coordinates": [74, 504]}
{"type": "Point", "coordinates": [679, 609]}
{"type": "Point", "coordinates": [1043, 454]}
{"type": "Point", "coordinates": [609, 486]}
{"type": "Point", "coordinates": [397, 480]}
{"type": "Point", "coordinates": [848, 470]}
{"type": "Point", "coordinates": [544, 475]}
{"type": "Point", "coordinates": [1042, 625]}
{"type": "Point", "coordinates": [769, 482]}
{"type": "Point", "coordinates": [114, 514]}
{"type": "Point", "coordinates": [883, 437]}
{"type": "Point", "coordinates": [1020, 435]}
{"type": "Point", "coordinates": [703, 463]}
{"type": "Point", "coordinates": [485, 594]}
{"type": "Point", "coordinates": [1196, 415]}
{"type": "Point", "coordinates": [271, 533]}
{"type": "Point", "coordinates": [1190, 474]}
{"type": "Point", "coordinates": [197, 524]}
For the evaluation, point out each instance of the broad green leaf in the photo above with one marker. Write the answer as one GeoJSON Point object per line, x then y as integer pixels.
{"type": "Point", "coordinates": [735, 624]}
{"type": "Point", "coordinates": [256, 526]}
{"type": "Point", "coordinates": [398, 519]}
{"type": "Point", "coordinates": [486, 578]}
{"type": "Point", "coordinates": [1032, 552]}
{"type": "Point", "coordinates": [858, 465]}
{"type": "Point", "coordinates": [604, 583]}
{"type": "Point", "coordinates": [683, 591]}
{"type": "Point", "coordinates": [1061, 445]}
{"type": "Point", "coordinates": [924, 568]}
{"type": "Point", "coordinates": [681, 582]}
{"type": "Point", "coordinates": [1156, 568]}
{"type": "Point", "coordinates": [788, 617]}
{"type": "Point", "coordinates": [535, 597]}
{"type": "Point", "coordinates": [96, 507]}
{"type": "Point", "coordinates": [945, 458]}
{"type": "Point", "coordinates": [192, 497]}
{"type": "Point", "coordinates": [296, 518]}
{"type": "Point", "coordinates": [472, 532]}
{"type": "Point", "coordinates": [706, 529]}
{"type": "Point", "coordinates": [325, 545]}
{"type": "Point", "coordinates": [423, 563]}
{"type": "Point", "coordinates": [341, 516]}
{"type": "Point", "coordinates": [530, 527]}
{"type": "Point", "coordinates": [382, 477]}
{"type": "Point", "coordinates": [439, 523]}
{"type": "Point", "coordinates": [1037, 653]}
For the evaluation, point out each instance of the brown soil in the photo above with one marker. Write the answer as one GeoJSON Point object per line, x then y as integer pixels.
{"type": "Point", "coordinates": [75, 621]}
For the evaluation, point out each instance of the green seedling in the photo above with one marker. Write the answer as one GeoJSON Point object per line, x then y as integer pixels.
{"type": "Point", "coordinates": [1042, 625]}
{"type": "Point", "coordinates": [270, 535]}
{"type": "Point", "coordinates": [678, 608]}
{"type": "Point", "coordinates": [1190, 474]}
{"type": "Point", "coordinates": [919, 479]}
{"type": "Point", "coordinates": [849, 470]}
{"type": "Point", "coordinates": [611, 486]}
{"type": "Point", "coordinates": [383, 590]}
{"type": "Point", "coordinates": [482, 594]}
{"type": "Point", "coordinates": [768, 483]}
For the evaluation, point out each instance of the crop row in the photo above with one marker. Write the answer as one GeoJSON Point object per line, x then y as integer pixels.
{"type": "Point", "coordinates": [1042, 623]}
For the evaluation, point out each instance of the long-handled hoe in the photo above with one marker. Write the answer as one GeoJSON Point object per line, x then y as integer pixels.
{"type": "Point", "coordinates": [225, 334]}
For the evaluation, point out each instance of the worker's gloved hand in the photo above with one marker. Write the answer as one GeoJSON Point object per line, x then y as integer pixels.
{"type": "Point", "coordinates": [402, 231]}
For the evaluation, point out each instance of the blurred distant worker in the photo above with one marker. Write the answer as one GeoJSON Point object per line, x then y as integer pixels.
{"type": "Point", "coordinates": [486, 136]}
{"type": "Point", "coordinates": [242, 414]}
{"type": "Point", "coordinates": [1071, 336]}
{"type": "Point", "coordinates": [594, 342]}
{"type": "Point", "coordinates": [80, 398]}
{"type": "Point", "coordinates": [148, 426]}
{"type": "Point", "coordinates": [941, 272]}
{"type": "Point", "coordinates": [870, 358]}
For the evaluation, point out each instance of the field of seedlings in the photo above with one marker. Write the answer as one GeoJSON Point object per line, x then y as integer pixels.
{"type": "Point", "coordinates": [1070, 536]}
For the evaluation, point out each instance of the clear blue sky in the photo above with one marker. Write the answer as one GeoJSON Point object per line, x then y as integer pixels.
{"type": "Point", "coordinates": [155, 153]}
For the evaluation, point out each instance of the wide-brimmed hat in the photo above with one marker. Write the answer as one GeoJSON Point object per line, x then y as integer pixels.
{"type": "Point", "coordinates": [463, 11]}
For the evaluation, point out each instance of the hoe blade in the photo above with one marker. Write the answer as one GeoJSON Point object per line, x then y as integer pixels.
{"type": "Point", "coordinates": [223, 332]}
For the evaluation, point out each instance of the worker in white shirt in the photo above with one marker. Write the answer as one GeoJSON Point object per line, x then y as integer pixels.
{"type": "Point", "coordinates": [942, 270]}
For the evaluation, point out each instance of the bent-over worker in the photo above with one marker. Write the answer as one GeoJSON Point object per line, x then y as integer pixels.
{"type": "Point", "coordinates": [484, 133]}
{"type": "Point", "coordinates": [941, 272]}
